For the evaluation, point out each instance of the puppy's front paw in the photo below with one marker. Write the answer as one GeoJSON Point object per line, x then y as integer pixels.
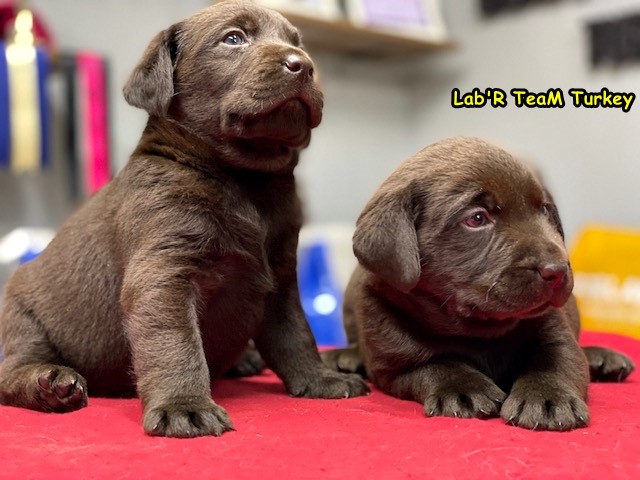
{"type": "Point", "coordinates": [477, 398]}
{"type": "Point", "coordinates": [607, 365]}
{"type": "Point", "coordinates": [185, 418]}
{"type": "Point", "coordinates": [60, 389]}
{"type": "Point", "coordinates": [329, 384]}
{"type": "Point", "coordinates": [545, 407]}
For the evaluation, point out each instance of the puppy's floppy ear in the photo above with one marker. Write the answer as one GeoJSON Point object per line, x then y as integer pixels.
{"type": "Point", "coordinates": [385, 241]}
{"type": "Point", "coordinates": [150, 85]}
{"type": "Point", "coordinates": [554, 215]}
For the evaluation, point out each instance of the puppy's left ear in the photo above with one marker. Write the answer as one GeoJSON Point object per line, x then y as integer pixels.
{"type": "Point", "coordinates": [150, 85]}
{"type": "Point", "coordinates": [385, 241]}
{"type": "Point", "coordinates": [554, 215]}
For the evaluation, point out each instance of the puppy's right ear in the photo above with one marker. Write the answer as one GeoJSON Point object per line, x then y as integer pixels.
{"type": "Point", "coordinates": [150, 85]}
{"type": "Point", "coordinates": [385, 241]}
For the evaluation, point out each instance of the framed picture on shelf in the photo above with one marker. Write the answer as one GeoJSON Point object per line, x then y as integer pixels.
{"type": "Point", "coordinates": [413, 18]}
{"type": "Point", "coordinates": [326, 9]}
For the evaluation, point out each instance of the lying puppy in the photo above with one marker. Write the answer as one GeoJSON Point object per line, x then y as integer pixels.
{"type": "Point", "coordinates": [463, 298]}
{"type": "Point", "coordinates": [191, 250]}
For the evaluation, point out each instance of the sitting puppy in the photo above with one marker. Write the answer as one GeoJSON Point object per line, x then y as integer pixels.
{"type": "Point", "coordinates": [463, 298]}
{"type": "Point", "coordinates": [191, 250]}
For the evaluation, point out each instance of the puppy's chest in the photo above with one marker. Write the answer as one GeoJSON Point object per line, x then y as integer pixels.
{"type": "Point", "coordinates": [277, 211]}
{"type": "Point", "coordinates": [253, 235]}
{"type": "Point", "coordinates": [264, 232]}
{"type": "Point", "coordinates": [501, 359]}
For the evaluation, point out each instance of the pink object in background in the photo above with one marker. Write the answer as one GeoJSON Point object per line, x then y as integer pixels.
{"type": "Point", "coordinates": [94, 120]}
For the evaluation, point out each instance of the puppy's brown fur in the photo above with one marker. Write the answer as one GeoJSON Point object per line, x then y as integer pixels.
{"type": "Point", "coordinates": [160, 280]}
{"type": "Point", "coordinates": [463, 297]}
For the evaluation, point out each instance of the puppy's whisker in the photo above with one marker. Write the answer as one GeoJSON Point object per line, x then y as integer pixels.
{"type": "Point", "coordinates": [486, 298]}
{"type": "Point", "coordinates": [446, 301]}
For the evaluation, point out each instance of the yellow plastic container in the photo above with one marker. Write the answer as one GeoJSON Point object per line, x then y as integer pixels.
{"type": "Point", "coordinates": [606, 266]}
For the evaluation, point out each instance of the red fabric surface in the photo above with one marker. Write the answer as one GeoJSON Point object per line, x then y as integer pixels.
{"type": "Point", "coordinates": [288, 438]}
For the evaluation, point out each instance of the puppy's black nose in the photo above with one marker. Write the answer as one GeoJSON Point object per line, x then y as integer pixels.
{"type": "Point", "coordinates": [298, 65]}
{"type": "Point", "coordinates": [554, 273]}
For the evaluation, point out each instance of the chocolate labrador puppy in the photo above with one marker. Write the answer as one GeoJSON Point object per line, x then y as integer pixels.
{"type": "Point", "coordinates": [160, 280]}
{"type": "Point", "coordinates": [463, 298]}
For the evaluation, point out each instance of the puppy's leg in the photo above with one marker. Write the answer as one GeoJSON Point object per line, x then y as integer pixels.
{"type": "Point", "coordinates": [350, 359]}
{"type": "Point", "coordinates": [607, 365]}
{"type": "Point", "coordinates": [30, 375]}
{"type": "Point", "coordinates": [160, 307]}
{"type": "Point", "coordinates": [550, 394]}
{"type": "Point", "coordinates": [450, 388]}
{"type": "Point", "coordinates": [286, 343]}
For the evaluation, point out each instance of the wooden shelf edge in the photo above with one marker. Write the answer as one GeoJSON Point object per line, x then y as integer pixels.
{"type": "Point", "coordinates": [342, 36]}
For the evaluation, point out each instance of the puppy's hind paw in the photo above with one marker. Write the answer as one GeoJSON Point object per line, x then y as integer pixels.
{"type": "Point", "coordinates": [329, 384]}
{"type": "Point", "coordinates": [249, 364]}
{"type": "Point", "coordinates": [186, 419]}
{"type": "Point", "coordinates": [345, 360]}
{"type": "Point", "coordinates": [607, 365]}
{"type": "Point", "coordinates": [60, 389]}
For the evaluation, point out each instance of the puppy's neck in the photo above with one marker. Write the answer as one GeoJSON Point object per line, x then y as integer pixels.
{"type": "Point", "coordinates": [168, 139]}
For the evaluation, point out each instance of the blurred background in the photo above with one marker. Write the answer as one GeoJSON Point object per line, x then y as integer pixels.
{"type": "Point", "coordinates": [387, 69]}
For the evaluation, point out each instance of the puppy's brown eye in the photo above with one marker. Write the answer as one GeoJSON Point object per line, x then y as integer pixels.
{"type": "Point", "coordinates": [477, 219]}
{"type": "Point", "coordinates": [234, 38]}
{"type": "Point", "coordinates": [545, 209]}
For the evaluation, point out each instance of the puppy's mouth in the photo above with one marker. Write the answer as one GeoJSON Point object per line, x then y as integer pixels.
{"type": "Point", "coordinates": [516, 314]}
{"type": "Point", "coordinates": [287, 124]}
{"type": "Point", "coordinates": [513, 300]}
{"type": "Point", "coordinates": [494, 324]}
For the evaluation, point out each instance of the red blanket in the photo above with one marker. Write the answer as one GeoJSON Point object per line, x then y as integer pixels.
{"type": "Point", "coordinates": [288, 438]}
